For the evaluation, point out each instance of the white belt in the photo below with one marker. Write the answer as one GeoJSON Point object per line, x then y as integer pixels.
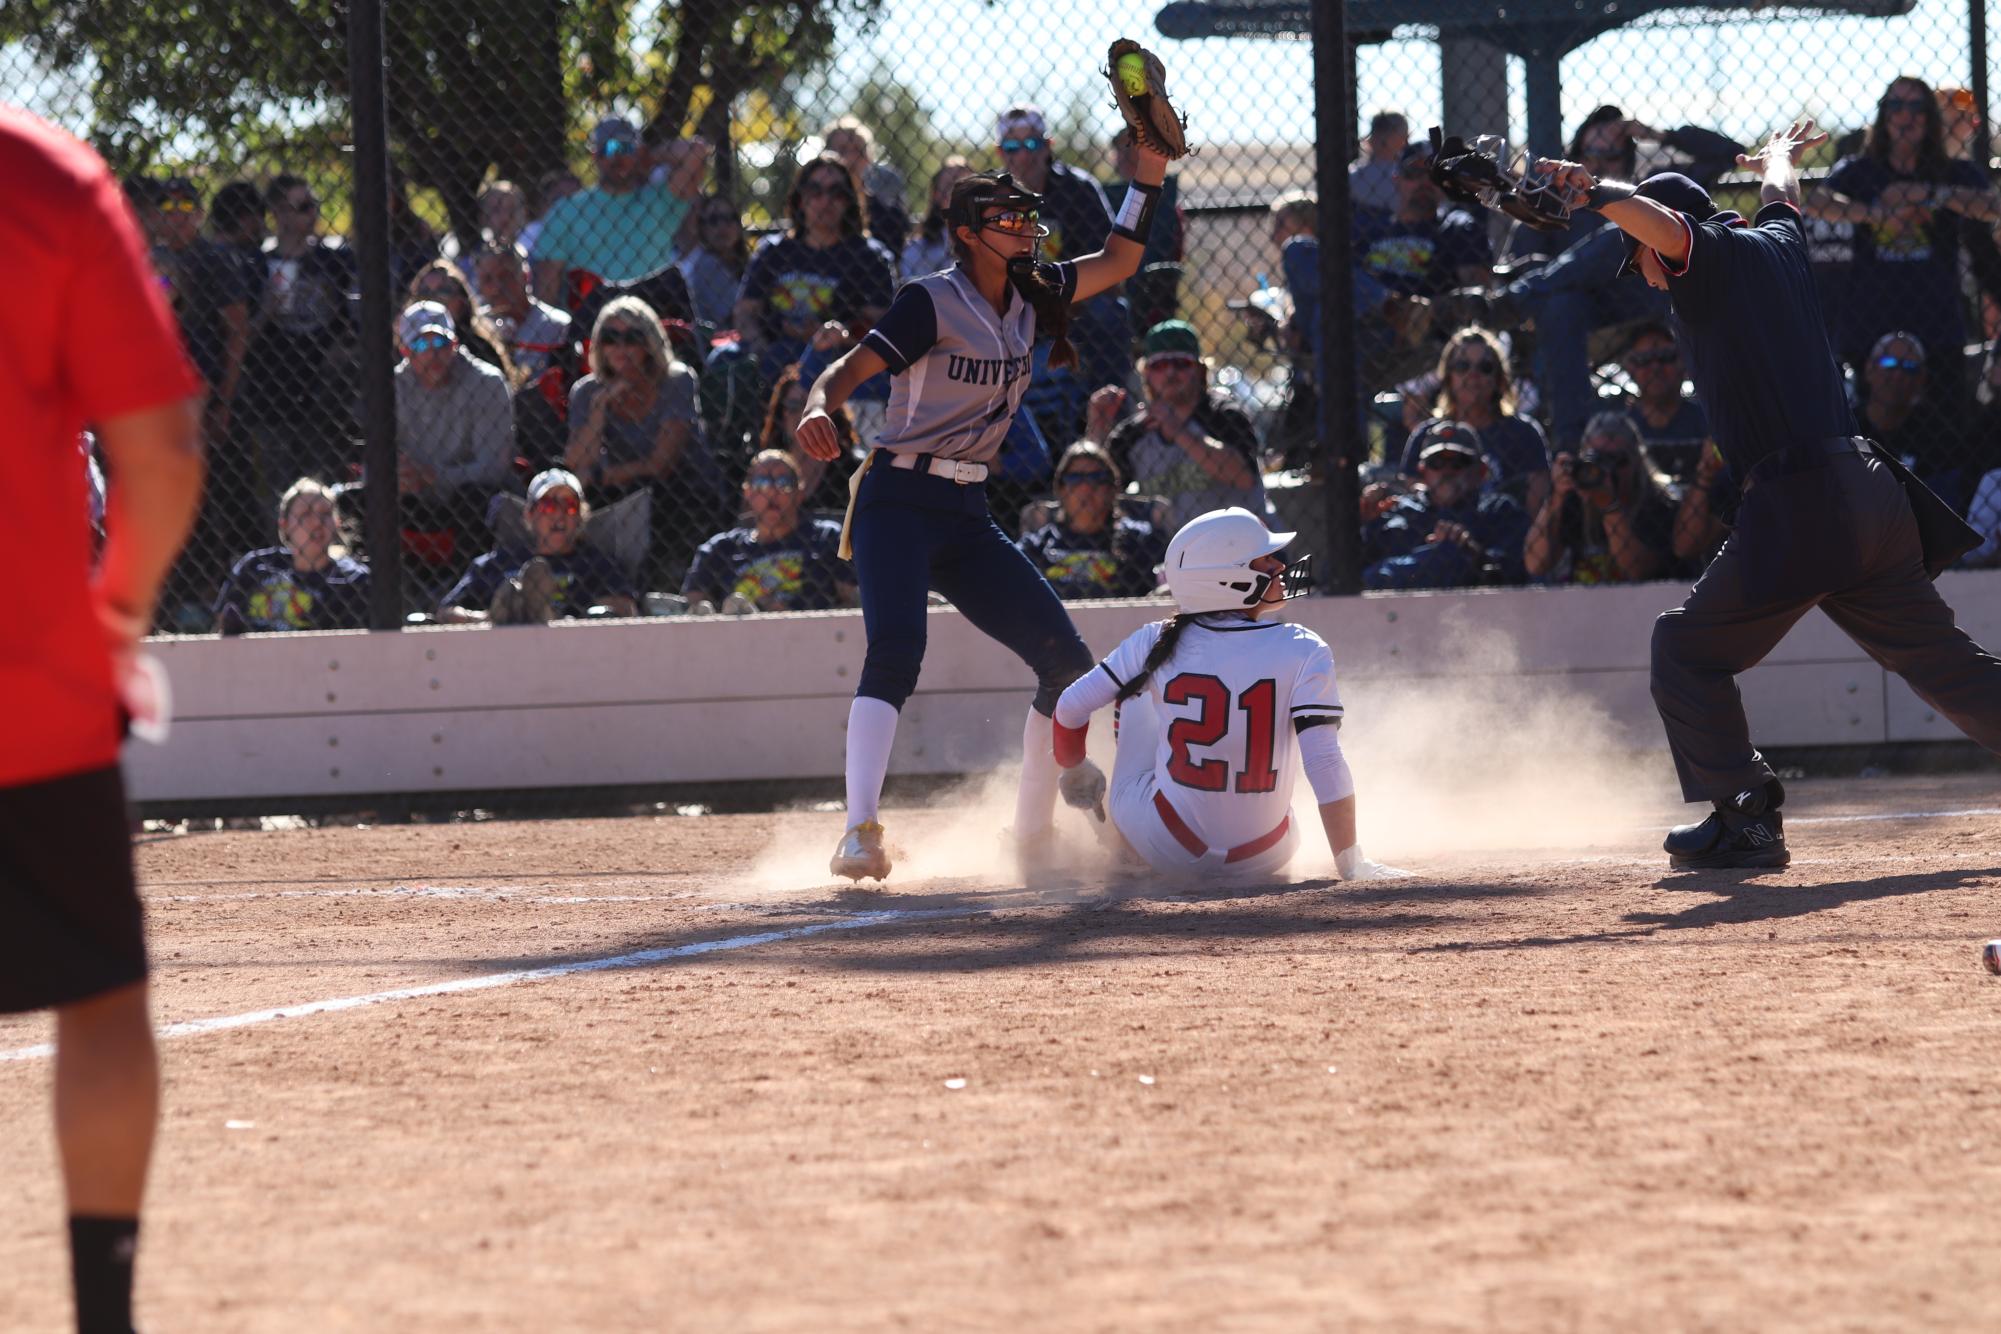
{"type": "Point", "coordinates": [952, 470]}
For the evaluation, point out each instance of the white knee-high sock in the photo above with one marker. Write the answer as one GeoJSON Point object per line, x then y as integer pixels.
{"type": "Point", "coordinates": [1035, 799]}
{"type": "Point", "coordinates": [871, 731]}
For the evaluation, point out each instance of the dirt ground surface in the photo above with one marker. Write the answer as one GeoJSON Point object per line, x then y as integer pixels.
{"type": "Point", "coordinates": [1559, 1090]}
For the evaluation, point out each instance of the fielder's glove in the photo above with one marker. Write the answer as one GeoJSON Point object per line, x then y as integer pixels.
{"type": "Point", "coordinates": [1139, 91]}
{"type": "Point", "coordinates": [1083, 786]}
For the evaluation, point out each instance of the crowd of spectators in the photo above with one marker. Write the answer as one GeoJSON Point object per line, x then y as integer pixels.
{"type": "Point", "coordinates": [596, 394]}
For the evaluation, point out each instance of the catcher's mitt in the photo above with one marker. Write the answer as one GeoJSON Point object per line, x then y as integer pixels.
{"type": "Point", "coordinates": [1139, 90]}
{"type": "Point", "coordinates": [1475, 175]}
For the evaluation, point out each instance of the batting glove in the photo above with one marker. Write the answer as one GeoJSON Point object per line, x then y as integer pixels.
{"type": "Point", "coordinates": [1083, 786]}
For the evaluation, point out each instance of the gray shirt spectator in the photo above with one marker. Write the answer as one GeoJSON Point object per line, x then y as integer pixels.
{"type": "Point", "coordinates": [454, 418]}
{"type": "Point", "coordinates": [633, 439]}
{"type": "Point", "coordinates": [1372, 181]}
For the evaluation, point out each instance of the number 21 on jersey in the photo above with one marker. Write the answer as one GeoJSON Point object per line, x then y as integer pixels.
{"type": "Point", "coordinates": [1259, 705]}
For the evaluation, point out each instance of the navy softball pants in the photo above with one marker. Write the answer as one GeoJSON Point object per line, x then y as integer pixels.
{"type": "Point", "coordinates": [914, 533]}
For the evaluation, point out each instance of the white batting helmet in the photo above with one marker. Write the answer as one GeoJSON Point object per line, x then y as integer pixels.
{"type": "Point", "coordinates": [1209, 561]}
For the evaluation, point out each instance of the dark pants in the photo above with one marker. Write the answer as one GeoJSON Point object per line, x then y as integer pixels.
{"type": "Point", "coordinates": [1838, 535]}
{"type": "Point", "coordinates": [914, 533]}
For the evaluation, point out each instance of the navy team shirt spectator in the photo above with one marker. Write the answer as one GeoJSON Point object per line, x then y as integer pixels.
{"type": "Point", "coordinates": [780, 560]}
{"type": "Point", "coordinates": [567, 577]}
{"type": "Point", "coordinates": [1910, 204]}
{"type": "Point", "coordinates": [824, 269]}
{"type": "Point", "coordinates": [1673, 425]}
{"type": "Point", "coordinates": [1476, 389]}
{"type": "Point", "coordinates": [1424, 248]}
{"type": "Point", "coordinates": [1450, 531]}
{"type": "Point", "coordinates": [309, 582]}
{"type": "Point", "coordinates": [1088, 549]}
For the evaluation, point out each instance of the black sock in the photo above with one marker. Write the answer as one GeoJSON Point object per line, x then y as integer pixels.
{"type": "Point", "coordinates": [101, 1252]}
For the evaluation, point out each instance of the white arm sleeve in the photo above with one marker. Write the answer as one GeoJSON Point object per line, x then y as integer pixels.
{"type": "Point", "coordinates": [1086, 695]}
{"type": "Point", "coordinates": [1326, 766]}
{"type": "Point", "coordinates": [1101, 685]}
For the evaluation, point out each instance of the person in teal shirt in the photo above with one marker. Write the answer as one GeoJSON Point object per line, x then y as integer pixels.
{"type": "Point", "coordinates": [623, 228]}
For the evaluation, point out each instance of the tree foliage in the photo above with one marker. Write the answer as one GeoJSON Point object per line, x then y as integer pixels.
{"type": "Point", "coordinates": [474, 87]}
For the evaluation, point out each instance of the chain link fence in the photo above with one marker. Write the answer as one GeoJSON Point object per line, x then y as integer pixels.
{"type": "Point", "coordinates": [625, 237]}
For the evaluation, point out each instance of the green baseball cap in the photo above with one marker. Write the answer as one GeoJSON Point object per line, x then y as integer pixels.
{"type": "Point", "coordinates": [1172, 338]}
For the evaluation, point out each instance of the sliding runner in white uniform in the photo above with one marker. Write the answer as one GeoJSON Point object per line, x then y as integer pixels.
{"type": "Point", "coordinates": [1214, 703]}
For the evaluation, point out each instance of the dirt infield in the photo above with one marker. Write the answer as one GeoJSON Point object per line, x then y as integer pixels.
{"type": "Point", "coordinates": [1537, 1091]}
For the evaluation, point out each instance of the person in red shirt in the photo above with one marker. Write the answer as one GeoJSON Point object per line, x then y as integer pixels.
{"type": "Point", "coordinates": [89, 339]}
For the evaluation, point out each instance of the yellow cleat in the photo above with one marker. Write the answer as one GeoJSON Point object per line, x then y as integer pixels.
{"type": "Point", "coordinates": [861, 854]}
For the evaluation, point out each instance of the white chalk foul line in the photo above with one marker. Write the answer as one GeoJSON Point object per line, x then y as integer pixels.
{"type": "Point", "coordinates": [191, 1027]}
{"type": "Point", "coordinates": [1893, 815]}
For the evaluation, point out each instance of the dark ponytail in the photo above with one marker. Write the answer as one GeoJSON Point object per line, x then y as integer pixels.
{"type": "Point", "coordinates": [1163, 649]}
{"type": "Point", "coordinates": [1052, 309]}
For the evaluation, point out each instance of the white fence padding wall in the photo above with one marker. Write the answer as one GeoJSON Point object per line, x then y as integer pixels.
{"type": "Point", "coordinates": [720, 699]}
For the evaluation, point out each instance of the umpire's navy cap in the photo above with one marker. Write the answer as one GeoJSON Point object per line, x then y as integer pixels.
{"type": "Point", "coordinates": [1679, 193]}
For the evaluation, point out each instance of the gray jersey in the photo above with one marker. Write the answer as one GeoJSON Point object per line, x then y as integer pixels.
{"type": "Point", "coordinates": [958, 371]}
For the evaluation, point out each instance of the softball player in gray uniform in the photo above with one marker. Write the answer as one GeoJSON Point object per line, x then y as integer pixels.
{"type": "Point", "coordinates": [957, 346]}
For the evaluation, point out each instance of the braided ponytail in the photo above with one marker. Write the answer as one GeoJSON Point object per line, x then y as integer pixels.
{"type": "Point", "coordinates": [1162, 650]}
{"type": "Point", "coordinates": [1052, 309]}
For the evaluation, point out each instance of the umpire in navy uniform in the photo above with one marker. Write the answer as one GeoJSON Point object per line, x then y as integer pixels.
{"type": "Point", "coordinates": [1827, 519]}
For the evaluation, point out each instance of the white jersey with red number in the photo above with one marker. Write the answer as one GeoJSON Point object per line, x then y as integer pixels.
{"type": "Point", "coordinates": [1229, 700]}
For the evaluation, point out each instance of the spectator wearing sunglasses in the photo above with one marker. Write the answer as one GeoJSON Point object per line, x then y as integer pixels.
{"type": "Point", "coordinates": [1475, 388]}
{"type": "Point", "coordinates": [1087, 548]}
{"type": "Point", "coordinates": [1079, 221]}
{"type": "Point", "coordinates": [1187, 443]}
{"type": "Point", "coordinates": [624, 227]}
{"type": "Point", "coordinates": [714, 266]}
{"type": "Point", "coordinates": [440, 281]}
{"type": "Point", "coordinates": [823, 269]}
{"type": "Point", "coordinates": [1899, 412]}
{"type": "Point", "coordinates": [1609, 518]}
{"type": "Point", "coordinates": [557, 577]}
{"type": "Point", "coordinates": [1449, 531]}
{"type": "Point", "coordinates": [634, 426]}
{"type": "Point", "coordinates": [307, 582]}
{"type": "Point", "coordinates": [296, 397]}
{"type": "Point", "coordinates": [454, 424]}
{"type": "Point", "coordinates": [1913, 206]}
{"type": "Point", "coordinates": [1670, 420]}
{"type": "Point", "coordinates": [781, 560]}
{"type": "Point", "coordinates": [883, 186]}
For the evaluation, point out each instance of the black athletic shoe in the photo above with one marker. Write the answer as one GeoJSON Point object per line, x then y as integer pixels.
{"type": "Point", "coordinates": [1728, 839]}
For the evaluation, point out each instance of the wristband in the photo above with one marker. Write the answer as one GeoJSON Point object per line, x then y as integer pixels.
{"type": "Point", "coordinates": [1608, 192]}
{"type": "Point", "coordinates": [1135, 218]}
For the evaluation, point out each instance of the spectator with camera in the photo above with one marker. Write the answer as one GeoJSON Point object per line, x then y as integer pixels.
{"type": "Point", "coordinates": [557, 577]}
{"type": "Point", "coordinates": [1670, 420]}
{"type": "Point", "coordinates": [1609, 518]}
{"type": "Point", "coordinates": [1899, 412]}
{"type": "Point", "coordinates": [1450, 530]}
{"type": "Point", "coordinates": [1087, 548]}
{"type": "Point", "coordinates": [1187, 443]}
{"type": "Point", "coordinates": [1477, 390]}
{"type": "Point", "coordinates": [1913, 206]}
{"type": "Point", "coordinates": [623, 228]}
{"type": "Point", "coordinates": [454, 424]}
{"type": "Point", "coordinates": [782, 560]}
{"type": "Point", "coordinates": [307, 582]}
